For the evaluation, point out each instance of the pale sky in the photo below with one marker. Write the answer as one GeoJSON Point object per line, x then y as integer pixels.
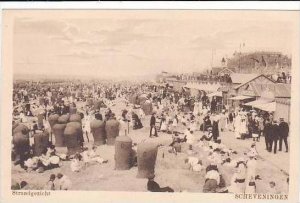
{"type": "Point", "coordinates": [129, 43]}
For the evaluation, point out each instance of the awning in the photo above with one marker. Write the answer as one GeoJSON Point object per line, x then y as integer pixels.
{"type": "Point", "coordinates": [269, 107]}
{"type": "Point", "coordinates": [215, 94]}
{"type": "Point", "coordinates": [204, 87]}
{"type": "Point", "coordinates": [256, 102]}
{"type": "Point", "coordinates": [240, 97]}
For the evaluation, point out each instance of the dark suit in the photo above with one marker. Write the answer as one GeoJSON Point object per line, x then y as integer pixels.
{"type": "Point", "coordinates": [268, 134]}
{"type": "Point", "coordinates": [215, 130]}
{"type": "Point", "coordinates": [274, 137]}
{"type": "Point", "coordinates": [152, 125]}
{"type": "Point", "coordinates": [283, 134]}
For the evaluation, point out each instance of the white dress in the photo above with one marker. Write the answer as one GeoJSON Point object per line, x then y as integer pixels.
{"type": "Point", "coordinates": [193, 126]}
{"type": "Point", "coordinates": [236, 187]}
{"type": "Point", "coordinates": [141, 113]}
{"type": "Point", "coordinates": [184, 120]}
{"type": "Point", "coordinates": [65, 183]}
{"type": "Point", "coordinates": [237, 123]}
{"type": "Point", "coordinates": [243, 127]}
{"type": "Point", "coordinates": [250, 189]}
{"type": "Point", "coordinates": [196, 109]}
{"type": "Point", "coordinates": [87, 126]}
{"type": "Point", "coordinates": [95, 157]}
{"type": "Point", "coordinates": [251, 169]}
{"type": "Point", "coordinates": [222, 122]}
{"type": "Point", "coordinates": [23, 118]}
{"type": "Point", "coordinates": [123, 127]}
{"type": "Point", "coordinates": [175, 123]}
{"type": "Point", "coordinates": [75, 165]}
{"type": "Point", "coordinates": [164, 125]}
{"type": "Point", "coordinates": [190, 139]}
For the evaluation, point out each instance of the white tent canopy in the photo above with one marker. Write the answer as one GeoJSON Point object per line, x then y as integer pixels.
{"type": "Point", "coordinates": [240, 97]}
{"type": "Point", "coordinates": [269, 107]}
{"type": "Point", "coordinates": [257, 102]}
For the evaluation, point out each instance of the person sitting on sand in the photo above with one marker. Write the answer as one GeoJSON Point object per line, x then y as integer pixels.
{"type": "Point", "coordinates": [251, 167]}
{"type": "Point", "coordinates": [64, 183]}
{"type": "Point", "coordinates": [50, 183]}
{"type": "Point", "coordinates": [50, 151]}
{"type": "Point", "coordinates": [75, 163]}
{"type": "Point", "coordinates": [239, 178]}
{"type": "Point", "coordinates": [212, 179]}
{"type": "Point", "coordinates": [94, 157]}
{"type": "Point", "coordinates": [31, 164]}
{"type": "Point", "coordinates": [253, 152]}
{"type": "Point", "coordinates": [85, 156]}
{"type": "Point", "coordinates": [137, 121]}
{"type": "Point", "coordinates": [251, 186]}
{"type": "Point", "coordinates": [273, 189]}
{"type": "Point", "coordinates": [48, 161]}
{"type": "Point", "coordinates": [209, 135]}
{"type": "Point", "coordinates": [24, 185]}
{"type": "Point", "coordinates": [153, 186]}
{"type": "Point", "coordinates": [190, 137]}
{"type": "Point", "coordinates": [175, 144]}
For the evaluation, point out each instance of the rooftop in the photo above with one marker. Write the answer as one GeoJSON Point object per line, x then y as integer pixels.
{"type": "Point", "coordinates": [280, 90]}
{"type": "Point", "coordinates": [240, 78]}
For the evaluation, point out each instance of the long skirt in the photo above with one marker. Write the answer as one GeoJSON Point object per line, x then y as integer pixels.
{"type": "Point", "coordinates": [164, 126]}
{"type": "Point", "coordinates": [237, 188]}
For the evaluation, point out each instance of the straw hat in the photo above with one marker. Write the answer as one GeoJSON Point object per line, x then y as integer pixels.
{"type": "Point", "coordinates": [54, 159]}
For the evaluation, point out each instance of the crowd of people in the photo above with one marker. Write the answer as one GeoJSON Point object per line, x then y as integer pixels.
{"type": "Point", "coordinates": [175, 113]}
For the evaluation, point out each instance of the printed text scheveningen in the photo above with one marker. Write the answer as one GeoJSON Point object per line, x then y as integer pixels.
{"type": "Point", "coordinates": [262, 196]}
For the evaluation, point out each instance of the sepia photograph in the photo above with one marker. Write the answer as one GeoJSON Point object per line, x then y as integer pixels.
{"type": "Point", "coordinates": [165, 101]}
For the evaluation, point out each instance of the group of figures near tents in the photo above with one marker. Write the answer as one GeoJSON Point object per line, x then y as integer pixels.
{"type": "Point", "coordinates": [59, 124]}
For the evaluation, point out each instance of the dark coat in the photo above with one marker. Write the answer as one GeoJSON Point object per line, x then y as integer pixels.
{"type": "Point", "coordinates": [215, 129]}
{"type": "Point", "coordinates": [210, 186]}
{"type": "Point", "coordinates": [283, 129]}
{"type": "Point", "coordinates": [230, 117]}
{"type": "Point", "coordinates": [268, 130]}
{"type": "Point", "coordinates": [152, 120]}
{"type": "Point", "coordinates": [275, 132]}
{"type": "Point", "coordinates": [153, 186]}
{"type": "Point", "coordinates": [255, 127]}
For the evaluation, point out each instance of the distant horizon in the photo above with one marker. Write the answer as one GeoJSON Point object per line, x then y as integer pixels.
{"type": "Point", "coordinates": [36, 76]}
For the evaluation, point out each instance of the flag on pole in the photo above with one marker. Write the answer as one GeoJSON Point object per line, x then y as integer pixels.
{"type": "Point", "coordinates": [263, 62]}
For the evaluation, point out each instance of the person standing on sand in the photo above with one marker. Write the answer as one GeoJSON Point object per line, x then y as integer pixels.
{"type": "Point", "coordinates": [283, 134]}
{"type": "Point", "coordinates": [268, 134]}
{"type": "Point", "coordinates": [152, 125]}
{"type": "Point", "coordinates": [275, 135]}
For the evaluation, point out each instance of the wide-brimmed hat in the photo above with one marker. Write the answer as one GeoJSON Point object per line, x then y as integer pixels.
{"type": "Point", "coordinates": [54, 159]}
